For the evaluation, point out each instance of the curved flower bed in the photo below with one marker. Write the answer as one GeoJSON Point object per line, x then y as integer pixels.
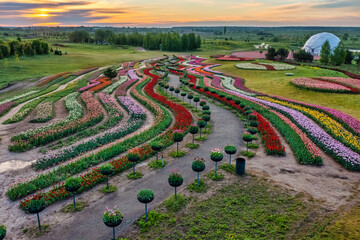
{"type": "Point", "coordinates": [136, 120]}
{"type": "Point", "coordinates": [330, 125]}
{"type": "Point", "coordinates": [322, 85]}
{"type": "Point", "coordinates": [350, 123]}
{"type": "Point", "coordinates": [122, 89]}
{"type": "Point", "coordinates": [14, 98]}
{"type": "Point", "coordinates": [110, 89]}
{"type": "Point", "coordinates": [123, 72]}
{"type": "Point", "coordinates": [92, 178]}
{"type": "Point", "coordinates": [43, 112]}
{"type": "Point", "coordinates": [24, 142]}
{"type": "Point", "coordinates": [208, 69]}
{"type": "Point", "coordinates": [270, 138]}
{"type": "Point", "coordinates": [132, 74]}
{"type": "Point", "coordinates": [93, 83]}
{"type": "Point", "coordinates": [104, 82]}
{"type": "Point", "coordinates": [354, 83]}
{"type": "Point", "coordinates": [227, 82]}
{"type": "Point", "coordinates": [5, 107]}
{"type": "Point", "coordinates": [265, 66]}
{"type": "Point", "coordinates": [51, 78]}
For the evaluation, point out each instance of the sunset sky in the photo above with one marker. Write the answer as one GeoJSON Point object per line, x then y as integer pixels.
{"type": "Point", "coordinates": [161, 13]}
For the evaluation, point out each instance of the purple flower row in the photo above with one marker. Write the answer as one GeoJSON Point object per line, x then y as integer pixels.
{"type": "Point", "coordinates": [6, 106]}
{"type": "Point", "coordinates": [132, 74]}
{"type": "Point", "coordinates": [121, 90]}
{"type": "Point", "coordinates": [198, 61]}
{"type": "Point", "coordinates": [349, 120]}
{"type": "Point", "coordinates": [110, 105]}
{"type": "Point", "coordinates": [207, 68]}
{"type": "Point", "coordinates": [123, 72]}
{"type": "Point", "coordinates": [131, 106]}
{"type": "Point", "coordinates": [316, 132]}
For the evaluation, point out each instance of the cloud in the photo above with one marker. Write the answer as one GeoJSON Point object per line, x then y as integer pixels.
{"type": "Point", "coordinates": [21, 6]}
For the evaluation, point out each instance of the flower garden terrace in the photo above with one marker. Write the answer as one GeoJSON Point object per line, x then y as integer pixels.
{"type": "Point", "coordinates": [103, 119]}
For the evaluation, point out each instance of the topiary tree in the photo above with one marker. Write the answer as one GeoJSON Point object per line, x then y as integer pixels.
{"type": "Point", "coordinates": [183, 94]}
{"type": "Point", "coordinates": [207, 112]}
{"type": "Point", "coordinates": [36, 205]}
{"type": "Point", "coordinates": [202, 103]}
{"type": "Point", "coordinates": [198, 165]}
{"type": "Point", "coordinates": [190, 97]}
{"type": "Point", "coordinates": [237, 101]}
{"type": "Point", "coordinates": [166, 87]}
{"type": "Point", "coordinates": [171, 90]}
{"type": "Point", "coordinates": [252, 131]}
{"type": "Point", "coordinates": [252, 117]}
{"type": "Point", "coordinates": [206, 118]}
{"type": "Point", "coordinates": [201, 124]}
{"type": "Point", "coordinates": [254, 123]}
{"type": "Point", "coordinates": [157, 147]}
{"type": "Point", "coordinates": [177, 91]}
{"type": "Point", "coordinates": [73, 185]}
{"type": "Point", "coordinates": [247, 137]}
{"type": "Point", "coordinates": [193, 130]}
{"type": "Point", "coordinates": [110, 73]}
{"type": "Point", "coordinates": [248, 112]}
{"type": "Point", "coordinates": [230, 149]}
{"type": "Point", "coordinates": [112, 218]}
{"type": "Point", "coordinates": [196, 100]}
{"type": "Point", "coordinates": [206, 107]}
{"type": "Point", "coordinates": [146, 196]}
{"type": "Point", "coordinates": [106, 169]}
{"type": "Point", "coordinates": [216, 155]}
{"type": "Point", "coordinates": [175, 179]}
{"type": "Point", "coordinates": [2, 232]}
{"type": "Point", "coordinates": [178, 136]}
{"type": "Point", "coordinates": [133, 157]}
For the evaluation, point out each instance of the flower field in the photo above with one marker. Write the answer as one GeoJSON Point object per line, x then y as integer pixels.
{"type": "Point", "coordinates": [103, 120]}
{"type": "Point", "coordinates": [324, 85]}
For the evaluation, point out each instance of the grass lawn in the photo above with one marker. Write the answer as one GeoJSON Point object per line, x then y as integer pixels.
{"type": "Point", "coordinates": [253, 209]}
{"type": "Point", "coordinates": [276, 83]}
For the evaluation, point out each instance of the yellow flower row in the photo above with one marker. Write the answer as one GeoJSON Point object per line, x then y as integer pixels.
{"type": "Point", "coordinates": [329, 124]}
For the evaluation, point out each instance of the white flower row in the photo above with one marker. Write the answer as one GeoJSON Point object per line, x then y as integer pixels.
{"type": "Point", "coordinates": [229, 84]}
{"type": "Point", "coordinates": [250, 66]}
{"type": "Point", "coordinates": [113, 86]}
{"type": "Point", "coordinates": [18, 97]}
{"type": "Point", "coordinates": [281, 66]}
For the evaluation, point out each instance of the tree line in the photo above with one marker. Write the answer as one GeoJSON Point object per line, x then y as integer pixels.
{"type": "Point", "coordinates": [20, 48]}
{"type": "Point", "coordinates": [337, 57]}
{"type": "Point", "coordinates": [171, 41]}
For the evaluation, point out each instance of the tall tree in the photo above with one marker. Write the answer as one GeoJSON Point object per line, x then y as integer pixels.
{"type": "Point", "coordinates": [338, 56]}
{"type": "Point", "coordinates": [325, 53]}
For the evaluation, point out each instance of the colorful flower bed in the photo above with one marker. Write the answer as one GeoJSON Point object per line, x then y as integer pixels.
{"type": "Point", "coordinates": [354, 83]}
{"type": "Point", "coordinates": [322, 85]}
{"type": "Point", "coordinates": [270, 138]}
{"type": "Point", "coordinates": [136, 120]}
{"type": "Point", "coordinates": [208, 69]}
{"type": "Point", "coordinates": [265, 66]}
{"type": "Point", "coordinates": [110, 89]}
{"type": "Point", "coordinates": [122, 89]}
{"type": "Point", "coordinates": [24, 142]}
{"type": "Point", "coordinates": [93, 83]}
{"type": "Point", "coordinates": [51, 78]}
{"type": "Point", "coordinates": [328, 124]}
{"type": "Point", "coordinates": [11, 99]}
{"type": "Point", "coordinates": [350, 123]}
{"type": "Point", "coordinates": [123, 72]}
{"type": "Point", "coordinates": [132, 74]}
{"type": "Point", "coordinates": [93, 177]}
{"type": "Point", "coordinates": [104, 82]}
{"type": "Point", "coordinates": [228, 83]}
{"type": "Point", "coordinates": [43, 112]}
{"type": "Point", "coordinates": [5, 107]}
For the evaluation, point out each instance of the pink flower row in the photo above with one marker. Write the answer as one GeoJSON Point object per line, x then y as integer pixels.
{"type": "Point", "coordinates": [318, 84]}
{"type": "Point", "coordinates": [93, 83]}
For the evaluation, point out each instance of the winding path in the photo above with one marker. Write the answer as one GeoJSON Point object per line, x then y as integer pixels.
{"type": "Point", "coordinates": [89, 225]}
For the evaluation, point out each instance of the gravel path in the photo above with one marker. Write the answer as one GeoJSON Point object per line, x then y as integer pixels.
{"type": "Point", "coordinates": [89, 225]}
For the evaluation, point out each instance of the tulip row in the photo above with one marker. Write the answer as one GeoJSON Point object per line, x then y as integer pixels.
{"type": "Point", "coordinates": [93, 116]}
{"type": "Point", "coordinates": [91, 179]}
{"type": "Point", "coordinates": [51, 78]}
{"type": "Point", "coordinates": [322, 85]}
{"type": "Point", "coordinates": [43, 112]}
{"type": "Point", "coordinates": [5, 107]}
{"type": "Point", "coordinates": [11, 99]}
{"type": "Point", "coordinates": [136, 120]}
{"type": "Point", "coordinates": [326, 122]}
{"type": "Point", "coordinates": [81, 72]}
{"type": "Point", "coordinates": [93, 83]}
{"type": "Point", "coordinates": [228, 83]}
{"type": "Point", "coordinates": [122, 89]}
{"type": "Point", "coordinates": [104, 82]}
{"type": "Point", "coordinates": [110, 89]}
{"type": "Point", "coordinates": [350, 123]}
{"type": "Point", "coordinates": [354, 83]}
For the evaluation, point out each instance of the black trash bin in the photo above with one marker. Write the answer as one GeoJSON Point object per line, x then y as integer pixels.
{"type": "Point", "coordinates": [240, 166]}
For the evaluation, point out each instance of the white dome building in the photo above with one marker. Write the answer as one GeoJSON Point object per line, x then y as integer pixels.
{"type": "Point", "coordinates": [314, 43]}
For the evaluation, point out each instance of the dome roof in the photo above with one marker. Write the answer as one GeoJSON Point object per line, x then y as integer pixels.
{"type": "Point", "coordinates": [314, 43]}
